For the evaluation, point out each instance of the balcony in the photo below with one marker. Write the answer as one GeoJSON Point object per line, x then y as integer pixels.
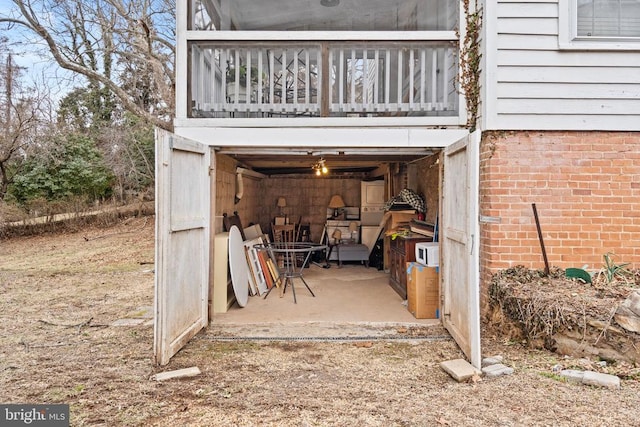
{"type": "Point", "coordinates": [323, 78]}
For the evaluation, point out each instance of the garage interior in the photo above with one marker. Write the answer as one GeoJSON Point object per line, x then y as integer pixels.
{"type": "Point", "coordinates": [252, 183]}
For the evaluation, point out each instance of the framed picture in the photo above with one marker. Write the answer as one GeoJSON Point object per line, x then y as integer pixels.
{"type": "Point", "coordinates": [257, 279]}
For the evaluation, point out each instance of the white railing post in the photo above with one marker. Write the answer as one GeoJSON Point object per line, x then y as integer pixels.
{"type": "Point", "coordinates": [295, 77]}
{"type": "Point", "coordinates": [323, 79]}
{"type": "Point", "coordinates": [307, 78]}
{"type": "Point", "coordinates": [376, 81]}
{"type": "Point", "coordinates": [387, 80]}
{"type": "Point", "coordinates": [213, 80]}
{"type": "Point", "coordinates": [445, 79]}
{"type": "Point", "coordinates": [260, 74]}
{"type": "Point", "coordinates": [247, 95]}
{"type": "Point", "coordinates": [352, 88]}
{"type": "Point", "coordinates": [283, 80]}
{"type": "Point", "coordinates": [423, 75]}
{"type": "Point", "coordinates": [411, 77]}
{"type": "Point", "coordinates": [365, 79]}
{"type": "Point", "coordinates": [272, 77]}
{"type": "Point", "coordinates": [434, 78]}
{"type": "Point", "coordinates": [341, 78]}
{"type": "Point", "coordinates": [400, 78]}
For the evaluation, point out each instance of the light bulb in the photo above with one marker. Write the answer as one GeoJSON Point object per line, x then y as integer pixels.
{"type": "Point", "coordinates": [318, 172]}
{"type": "Point", "coordinates": [324, 169]}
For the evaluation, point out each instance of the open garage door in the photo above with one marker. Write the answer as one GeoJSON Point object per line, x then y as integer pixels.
{"type": "Point", "coordinates": [182, 242]}
{"type": "Point", "coordinates": [460, 245]}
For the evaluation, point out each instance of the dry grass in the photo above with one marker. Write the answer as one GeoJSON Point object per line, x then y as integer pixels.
{"type": "Point", "coordinates": [60, 293]}
{"type": "Point", "coordinates": [538, 308]}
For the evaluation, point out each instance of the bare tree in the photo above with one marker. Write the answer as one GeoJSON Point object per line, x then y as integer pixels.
{"type": "Point", "coordinates": [112, 43]}
{"type": "Point", "coordinates": [19, 121]}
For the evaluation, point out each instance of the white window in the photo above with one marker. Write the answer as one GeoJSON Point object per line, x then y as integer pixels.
{"type": "Point", "coordinates": [600, 24]}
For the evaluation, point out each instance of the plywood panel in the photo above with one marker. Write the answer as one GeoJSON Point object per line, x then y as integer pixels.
{"type": "Point", "coordinates": [221, 273]}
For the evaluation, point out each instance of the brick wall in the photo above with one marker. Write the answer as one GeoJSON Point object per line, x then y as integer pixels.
{"type": "Point", "coordinates": [586, 187]}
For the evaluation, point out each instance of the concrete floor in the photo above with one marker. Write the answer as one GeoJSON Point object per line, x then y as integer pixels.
{"type": "Point", "coordinates": [348, 294]}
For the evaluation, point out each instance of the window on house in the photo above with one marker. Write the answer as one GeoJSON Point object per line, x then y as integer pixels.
{"type": "Point", "coordinates": [608, 18]}
{"type": "Point", "coordinates": [599, 25]}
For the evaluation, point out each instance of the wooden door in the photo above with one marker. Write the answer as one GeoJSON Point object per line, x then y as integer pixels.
{"type": "Point", "coordinates": [460, 245]}
{"type": "Point", "coordinates": [182, 242]}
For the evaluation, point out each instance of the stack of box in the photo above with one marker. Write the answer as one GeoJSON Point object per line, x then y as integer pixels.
{"type": "Point", "coordinates": [393, 220]}
{"type": "Point", "coordinates": [423, 291]}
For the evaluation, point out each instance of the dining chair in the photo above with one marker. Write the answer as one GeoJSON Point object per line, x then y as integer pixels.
{"type": "Point", "coordinates": [284, 233]}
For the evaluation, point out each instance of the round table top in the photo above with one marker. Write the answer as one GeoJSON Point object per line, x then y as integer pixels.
{"type": "Point", "coordinates": [238, 266]}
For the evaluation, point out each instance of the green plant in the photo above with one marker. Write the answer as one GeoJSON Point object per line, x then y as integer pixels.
{"type": "Point", "coordinates": [470, 59]}
{"type": "Point", "coordinates": [612, 270]}
{"type": "Point", "coordinates": [554, 376]}
{"type": "Point", "coordinates": [73, 169]}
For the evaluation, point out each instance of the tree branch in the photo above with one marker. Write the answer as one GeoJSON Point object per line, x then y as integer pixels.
{"type": "Point", "coordinates": [79, 33]}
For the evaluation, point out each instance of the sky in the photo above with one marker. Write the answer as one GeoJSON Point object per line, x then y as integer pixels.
{"type": "Point", "coordinates": [40, 68]}
{"type": "Point", "coordinates": [23, 55]}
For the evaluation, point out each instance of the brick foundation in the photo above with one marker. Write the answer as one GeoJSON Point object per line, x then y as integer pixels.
{"type": "Point", "coordinates": [586, 187]}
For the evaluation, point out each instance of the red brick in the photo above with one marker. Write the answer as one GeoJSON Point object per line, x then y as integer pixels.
{"type": "Point", "coordinates": [587, 193]}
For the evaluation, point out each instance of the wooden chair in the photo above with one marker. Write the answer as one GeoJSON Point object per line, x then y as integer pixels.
{"type": "Point", "coordinates": [284, 233]}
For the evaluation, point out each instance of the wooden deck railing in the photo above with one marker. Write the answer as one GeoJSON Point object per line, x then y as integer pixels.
{"type": "Point", "coordinates": [325, 79]}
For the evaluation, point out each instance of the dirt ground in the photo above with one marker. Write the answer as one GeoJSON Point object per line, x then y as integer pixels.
{"type": "Point", "coordinates": [61, 293]}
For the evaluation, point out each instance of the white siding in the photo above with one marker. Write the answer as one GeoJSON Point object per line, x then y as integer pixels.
{"type": "Point", "coordinates": [532, 84]}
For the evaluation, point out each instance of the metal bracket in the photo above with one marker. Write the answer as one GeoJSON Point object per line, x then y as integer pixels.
{"type": "Point", "coordinates": [489, 219]}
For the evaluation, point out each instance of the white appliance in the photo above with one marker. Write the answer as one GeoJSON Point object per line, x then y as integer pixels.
{"type": "Point", "coordinates": [371, 211]}
{"type": "Point", "coordinates": [428, 253]}
{"type": "Point", "coordinates": [372, 202]}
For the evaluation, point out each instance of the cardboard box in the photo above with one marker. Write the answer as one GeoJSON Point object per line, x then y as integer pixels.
{"type": "Point", "coordinates": [394, 219]}
{"type": "Point", "coordinates": [423, 291]}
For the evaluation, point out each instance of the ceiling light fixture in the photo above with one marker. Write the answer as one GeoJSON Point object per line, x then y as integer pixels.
{"type": "Point", "coordinates": [319, 167]}
{"type": "Point", "coordinates": [329, 3]}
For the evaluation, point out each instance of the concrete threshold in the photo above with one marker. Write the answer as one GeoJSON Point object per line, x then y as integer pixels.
{"type": "Point", "coordinates": [328, 331]}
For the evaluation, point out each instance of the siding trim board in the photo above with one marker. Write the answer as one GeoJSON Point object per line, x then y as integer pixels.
{"type": "Point", "coordinates": [542, 9]}
{"type": "Point", "coordinates": [576, 122]}
{"type": "Point", "coordinates": [564, 90]}
{"type": "Point", "coordinates": [559, 107]}
{"type": "Point", "coordinates": [569, 75]}
{"type": "Point", "coordinates": [536, 26]}
{"type": "Point", "coordinates": [605, 60]}
{"type": "Point", "coordinates": [526, 42]}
